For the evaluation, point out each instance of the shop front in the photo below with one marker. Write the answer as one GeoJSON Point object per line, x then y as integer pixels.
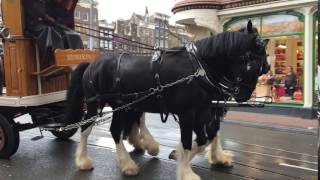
{"type": "Point", "coordinates": [291, 28]}
{"type": "Point", "coordinates": [285, 82]}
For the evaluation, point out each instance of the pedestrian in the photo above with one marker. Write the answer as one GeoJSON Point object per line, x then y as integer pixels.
{"type": "Point", "coordinates": [290, 82]}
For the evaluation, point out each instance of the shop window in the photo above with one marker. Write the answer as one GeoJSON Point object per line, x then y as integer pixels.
{"type": "Point", "coordinates": [286, 56]}
{"type": "Point", "coordinates": [243, 23]}
{"type": "Point", "coordinates": [284, 82]}
{"type": "Point", "coordinates": [280, 24]}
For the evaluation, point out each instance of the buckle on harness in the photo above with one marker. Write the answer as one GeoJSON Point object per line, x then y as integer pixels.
{"type": "Point", "coordinates": [191, 48]}
{"type": "Point", "coordinates": [156, 55]}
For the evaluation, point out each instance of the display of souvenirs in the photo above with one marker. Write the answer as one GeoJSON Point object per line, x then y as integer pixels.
{"type": "Point", "coordinates": [280, 57]}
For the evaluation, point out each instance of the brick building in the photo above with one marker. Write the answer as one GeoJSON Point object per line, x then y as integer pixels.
{"type": "Point", "coordinates": [82, 18]}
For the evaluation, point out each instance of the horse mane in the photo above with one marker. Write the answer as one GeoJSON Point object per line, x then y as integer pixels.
{"type": "Point", "coordinates": [224, 45]}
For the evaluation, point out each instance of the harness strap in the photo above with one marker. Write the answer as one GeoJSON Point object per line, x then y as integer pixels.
{"type": "Point", "coordinates": [207, 79]}
{"type": "Point", "coordinates": [118, 75]}
{"type": "Point", "coordinates": [156, 64]}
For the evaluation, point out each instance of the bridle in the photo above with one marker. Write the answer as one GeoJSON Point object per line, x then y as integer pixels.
{"type": "Point", "coordinates": [223, 84]}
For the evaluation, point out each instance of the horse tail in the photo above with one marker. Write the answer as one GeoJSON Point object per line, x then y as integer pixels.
{"type": "Point", "coordinates": [75, 95]}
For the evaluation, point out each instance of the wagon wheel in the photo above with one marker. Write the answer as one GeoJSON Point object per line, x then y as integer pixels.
{"type": "Point", "coordinates": [9, 138]}
{"type": "Point", "coordinates": [64, 135]}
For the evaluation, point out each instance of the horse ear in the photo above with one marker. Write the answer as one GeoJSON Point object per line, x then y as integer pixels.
{"type": "Point", "coordinates": [266, 41]}
{"type": "Point", "coordinates": [249, 27]}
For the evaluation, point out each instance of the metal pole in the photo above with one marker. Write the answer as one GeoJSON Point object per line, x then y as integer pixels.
{"type": "Point", "coordinates": [91, 25]}
{"type": "Point", "coordinates": [318, 79]}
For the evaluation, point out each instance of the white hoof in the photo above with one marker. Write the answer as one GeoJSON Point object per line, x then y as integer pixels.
{"type": "Point", "coordinates": [130, 169]}
{"type": "Point", "coordinates": [153, 148]}
{"type": "Point", "coordinates": [84, 163]}
{"type": "Point", "coordinates": [224, 158]}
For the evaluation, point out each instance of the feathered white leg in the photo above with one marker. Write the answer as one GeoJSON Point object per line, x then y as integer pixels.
{"type": "Point", "coordinates": [126, 164]}
{"type": "Point", "coordinates": [184, 171]}
{"type": "Point", "coordinates": [150, 144]}
{"type": "Point", "coordinates": [135, 138]}
{"type": "Point", "coordinates": [83, 161]}
{"type": "Point", "coordinates": [216, 155]}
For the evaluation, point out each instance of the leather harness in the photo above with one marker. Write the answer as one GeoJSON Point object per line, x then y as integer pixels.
{"type": "Point", "coordinates": [157, 60]}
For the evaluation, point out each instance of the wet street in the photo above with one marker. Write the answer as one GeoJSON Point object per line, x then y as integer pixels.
{"type": "Point", "coordinates": [259, 153]}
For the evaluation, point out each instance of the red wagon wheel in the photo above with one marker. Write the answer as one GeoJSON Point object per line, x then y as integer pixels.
{"type": "Point", "coordinates": [9, 138]}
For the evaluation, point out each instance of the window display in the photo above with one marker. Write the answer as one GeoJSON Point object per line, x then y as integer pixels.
{"type": "Point", "coordinates": [286, 60]}
{"type": "Point", "coordinates": [284, 82]}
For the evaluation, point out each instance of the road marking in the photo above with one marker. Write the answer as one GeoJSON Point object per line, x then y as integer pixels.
{"type": "Point", "coordinates": [265, 147]}
{"type": "Point", "coordinates": [273, 156]}
{"type": "Point", "coordinates": [298, 167]}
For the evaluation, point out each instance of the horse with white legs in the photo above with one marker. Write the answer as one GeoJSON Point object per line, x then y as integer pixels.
{"type": "Point", "coordinates": [214, 151]}
{"type": "Point", "coordinates": [182, 81]}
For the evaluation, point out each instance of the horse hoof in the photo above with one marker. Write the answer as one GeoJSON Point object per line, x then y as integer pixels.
{"type": "Point", "coordinates": [225, 159]}
{"type": "Point", "coordinates": [173, 155]}
{"type": "Point", "coordinates": [138, 151]}
{"type": "Point", "coordinates": [85, 164]}
{"type": "Point", "coordinates": [153, 148]}
{"type": "Point", "coordinates": [190, 176]}
{"type": "Point", "coordinates": [130, 169]}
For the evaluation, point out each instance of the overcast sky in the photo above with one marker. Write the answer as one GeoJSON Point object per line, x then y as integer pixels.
{"type": "Point", "coordinates": [115, 9]}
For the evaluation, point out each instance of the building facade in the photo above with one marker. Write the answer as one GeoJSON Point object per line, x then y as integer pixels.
{"type": "Point", "coordinates": [106, 35]}
{"type": "Point", "coordinates": [291, 27]}
{"type": "Point", "coordinates": [82, 22]}
{"type": "Point", "coordinates": [161, 22]}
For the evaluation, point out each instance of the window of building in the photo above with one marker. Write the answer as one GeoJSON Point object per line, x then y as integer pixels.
{"type": "Point", "coordinates": [95, 19]}
{"type": "Point", "coordinates": [286, 55]}
{"type": "Point", "coordinates": [237, 25]}
{"type": "Point", "coordinates": [85, 16]}
{"type": "Point", "coordinates": [77, 14]}
{"type": "Point", "coordinates": [161, 43]}
{"type": "Point", "coordinates": [280, 24]}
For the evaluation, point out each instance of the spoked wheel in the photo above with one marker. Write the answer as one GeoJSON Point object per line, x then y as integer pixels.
{"type": "Point", "coordinates": [9, 138]}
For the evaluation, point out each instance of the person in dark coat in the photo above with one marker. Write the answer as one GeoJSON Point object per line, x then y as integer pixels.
{"type": "Point", "coordinates": [290, 82]}
{"type": "Point", "coordinates": [39, 24]}
{"type": "Point", "coordinates": [62, 12]}
{"type": "Point", "coordinates": [45, 20]}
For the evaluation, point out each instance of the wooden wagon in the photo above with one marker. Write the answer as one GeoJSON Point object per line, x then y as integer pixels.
{"type": "Point", "coordinates": [33, 87]}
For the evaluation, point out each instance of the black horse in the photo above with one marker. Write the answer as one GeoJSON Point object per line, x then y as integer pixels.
{"type": "Point", "coordinates": [228, 63]}
{"type": "Point", "coordinates": [214, 151]}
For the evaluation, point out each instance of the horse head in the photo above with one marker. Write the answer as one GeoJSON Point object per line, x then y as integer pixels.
{"type": "Point", "coordinates": [247, 67]}
{"type": "Point", "coordinates": [235, 60]}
